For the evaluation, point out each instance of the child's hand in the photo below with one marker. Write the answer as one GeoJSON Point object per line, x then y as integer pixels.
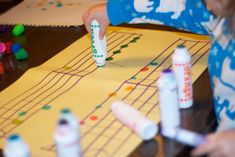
{"type": "Point", "coordinates": [220, 144]}
{"type": "Point", "coordinates": [99, 13]}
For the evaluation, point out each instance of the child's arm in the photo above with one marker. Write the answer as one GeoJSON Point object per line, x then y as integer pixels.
{"type": "Point", "coordinates": [191, 15]}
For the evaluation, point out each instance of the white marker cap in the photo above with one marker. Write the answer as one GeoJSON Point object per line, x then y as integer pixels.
{"type": "Point", "coordinates": [148, 130]}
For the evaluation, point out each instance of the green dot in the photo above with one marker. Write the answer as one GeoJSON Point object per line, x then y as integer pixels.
{"type": "Point", "coordinates": [98, 106]}
{"type": "Point", "coordinates": [46, 107]}
{"type": "Point", "coordinates": [133, 78]}
{"type": "Point", "coordinates": [124, 46]}
{"type": "Point", "coordinates": [59, 5]}
{"type": "Point", "coordinates": [154, 63]}
{"type": "Point", "coordinates": [22, 113]}
{"type": "Point", "coordinates": [116, 52]}
{"type": "Point", "coordinates": [109, 59]}
{"type": "Point", "coordinates": [133, 41]}
{"type": "Point", "coordinates": [136, 38]}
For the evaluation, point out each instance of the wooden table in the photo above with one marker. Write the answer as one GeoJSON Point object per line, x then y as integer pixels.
{"type": "Point", "coordinates": [42, 43]}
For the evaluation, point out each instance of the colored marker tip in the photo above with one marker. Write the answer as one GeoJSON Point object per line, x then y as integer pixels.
{"type": "Point", "coordinates": [66, 110]}
{"type": "Point", "coordinates": [13, 137]}
{"type": "Point", "coordinates": [180, 46]}
{"type": "Point", "coordinates": [167, 71]}
{"type": "Point", "coordinates": [101, 66]}
{"type": "Point", "coordinates": [63, 122]}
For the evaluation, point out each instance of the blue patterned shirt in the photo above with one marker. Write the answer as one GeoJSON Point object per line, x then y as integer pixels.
{"type": "Point", "coordinates": [191, 15]}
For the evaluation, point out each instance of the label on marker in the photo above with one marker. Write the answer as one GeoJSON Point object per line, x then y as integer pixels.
{"type": "Point", "coordinates": [98, 46]}
{"type": "Point", "coordinates": [182, 69]}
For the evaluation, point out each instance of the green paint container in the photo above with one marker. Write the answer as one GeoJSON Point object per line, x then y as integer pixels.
{"type": "Point", "coordinates": [21, 54]}
{"type": "Point", "coordinates": [18, 30]}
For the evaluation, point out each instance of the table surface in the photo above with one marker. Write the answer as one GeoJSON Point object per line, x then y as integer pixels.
{"type": "Point", "coordinates": [42, 43]}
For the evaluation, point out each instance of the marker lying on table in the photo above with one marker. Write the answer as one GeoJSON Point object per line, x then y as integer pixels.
{"type": "Point", "coordinates": [98, 46]}
{"type": "Point", "coordinates": [188, 137]}
{"type": "Point", "coordinates": [137, 122]}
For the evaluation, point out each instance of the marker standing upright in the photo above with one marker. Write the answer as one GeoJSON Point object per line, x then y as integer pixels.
{"type": "Point", "coordinates": [182, 69]}
{"type": "Point", "coordinates": [16, 147]}
{"type": "Point", "coordinates": [168, 100]}
{"type": "Point", "coordinates": [67, 140]}
{"type": "Point", "coordinates": [98, 45]}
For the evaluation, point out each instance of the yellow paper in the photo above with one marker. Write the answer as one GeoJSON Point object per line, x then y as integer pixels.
{"type": "Point", "coordinates": [71, 79]}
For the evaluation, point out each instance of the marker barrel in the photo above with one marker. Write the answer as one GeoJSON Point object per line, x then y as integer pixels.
{"type": "Point", "coordinates": [182, 69]}
{"type": "Point", "coordinates": [98, 46]}
{"type": "Point", "coordinates": [137, 122]}
{"type": "Point", "coordinates": [188, 137]}
{"type": "Point", "coordinates": [168, 100]}
{"type": "Point", "coordinates": [67, 140]}
{"type": "Point", "coordinates": [68, 115]}
{"type": "Point", "coordinates": [16, 147]}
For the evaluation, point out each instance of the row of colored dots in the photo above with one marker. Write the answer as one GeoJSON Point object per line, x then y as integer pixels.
{"type": "Point", "coordinates": [122, 47]}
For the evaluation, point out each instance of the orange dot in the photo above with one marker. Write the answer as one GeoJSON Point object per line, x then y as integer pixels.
{"type": "Point", "coordinates": [129, 88]}
{"type": "Point", "coordinates": [40, 4]}
{"type": "Point", "coordinates": [145, 69]}
{"type": "Point", "coordinates": [94, 118]}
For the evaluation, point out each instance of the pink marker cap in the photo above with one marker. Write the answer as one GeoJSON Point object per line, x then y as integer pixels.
{"type": "Point", "coordinates": [2, 47]}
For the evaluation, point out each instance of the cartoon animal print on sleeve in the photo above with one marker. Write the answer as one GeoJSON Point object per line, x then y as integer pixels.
{"type": "Point", "coordinates": [175, 6]}
{"type": "Point", "coordinates": [224, 93]}
{"type": "Point", "coordinates": [143, 6]}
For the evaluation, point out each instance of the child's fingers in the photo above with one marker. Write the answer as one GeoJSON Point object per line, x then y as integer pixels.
{"type": "Point", "coordinates": [205, 149]}
{"type": "Point", "coordinates": [102, 32]}
{"type": "Point", "coordinates": [216, 153]}
{"type": "Point", "coordinates": [87, 24]}
{"type": "Point", "coordinates": [84, 16]}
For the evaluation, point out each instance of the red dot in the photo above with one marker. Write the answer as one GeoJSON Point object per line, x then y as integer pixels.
{"type": "Point", "coordinates": [82, 122]}
{"type": "Point", "coordinates": [144, 69]}
{"type": "Point", "coordinates": [94, 118]}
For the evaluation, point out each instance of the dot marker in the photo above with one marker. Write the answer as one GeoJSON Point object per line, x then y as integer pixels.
{"type": "Point", "coordinates": [98, 46]}
{"type": "Point", "coordinates": [132, 118]}
{"type": "Point", "coordinates": [181, 63]}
